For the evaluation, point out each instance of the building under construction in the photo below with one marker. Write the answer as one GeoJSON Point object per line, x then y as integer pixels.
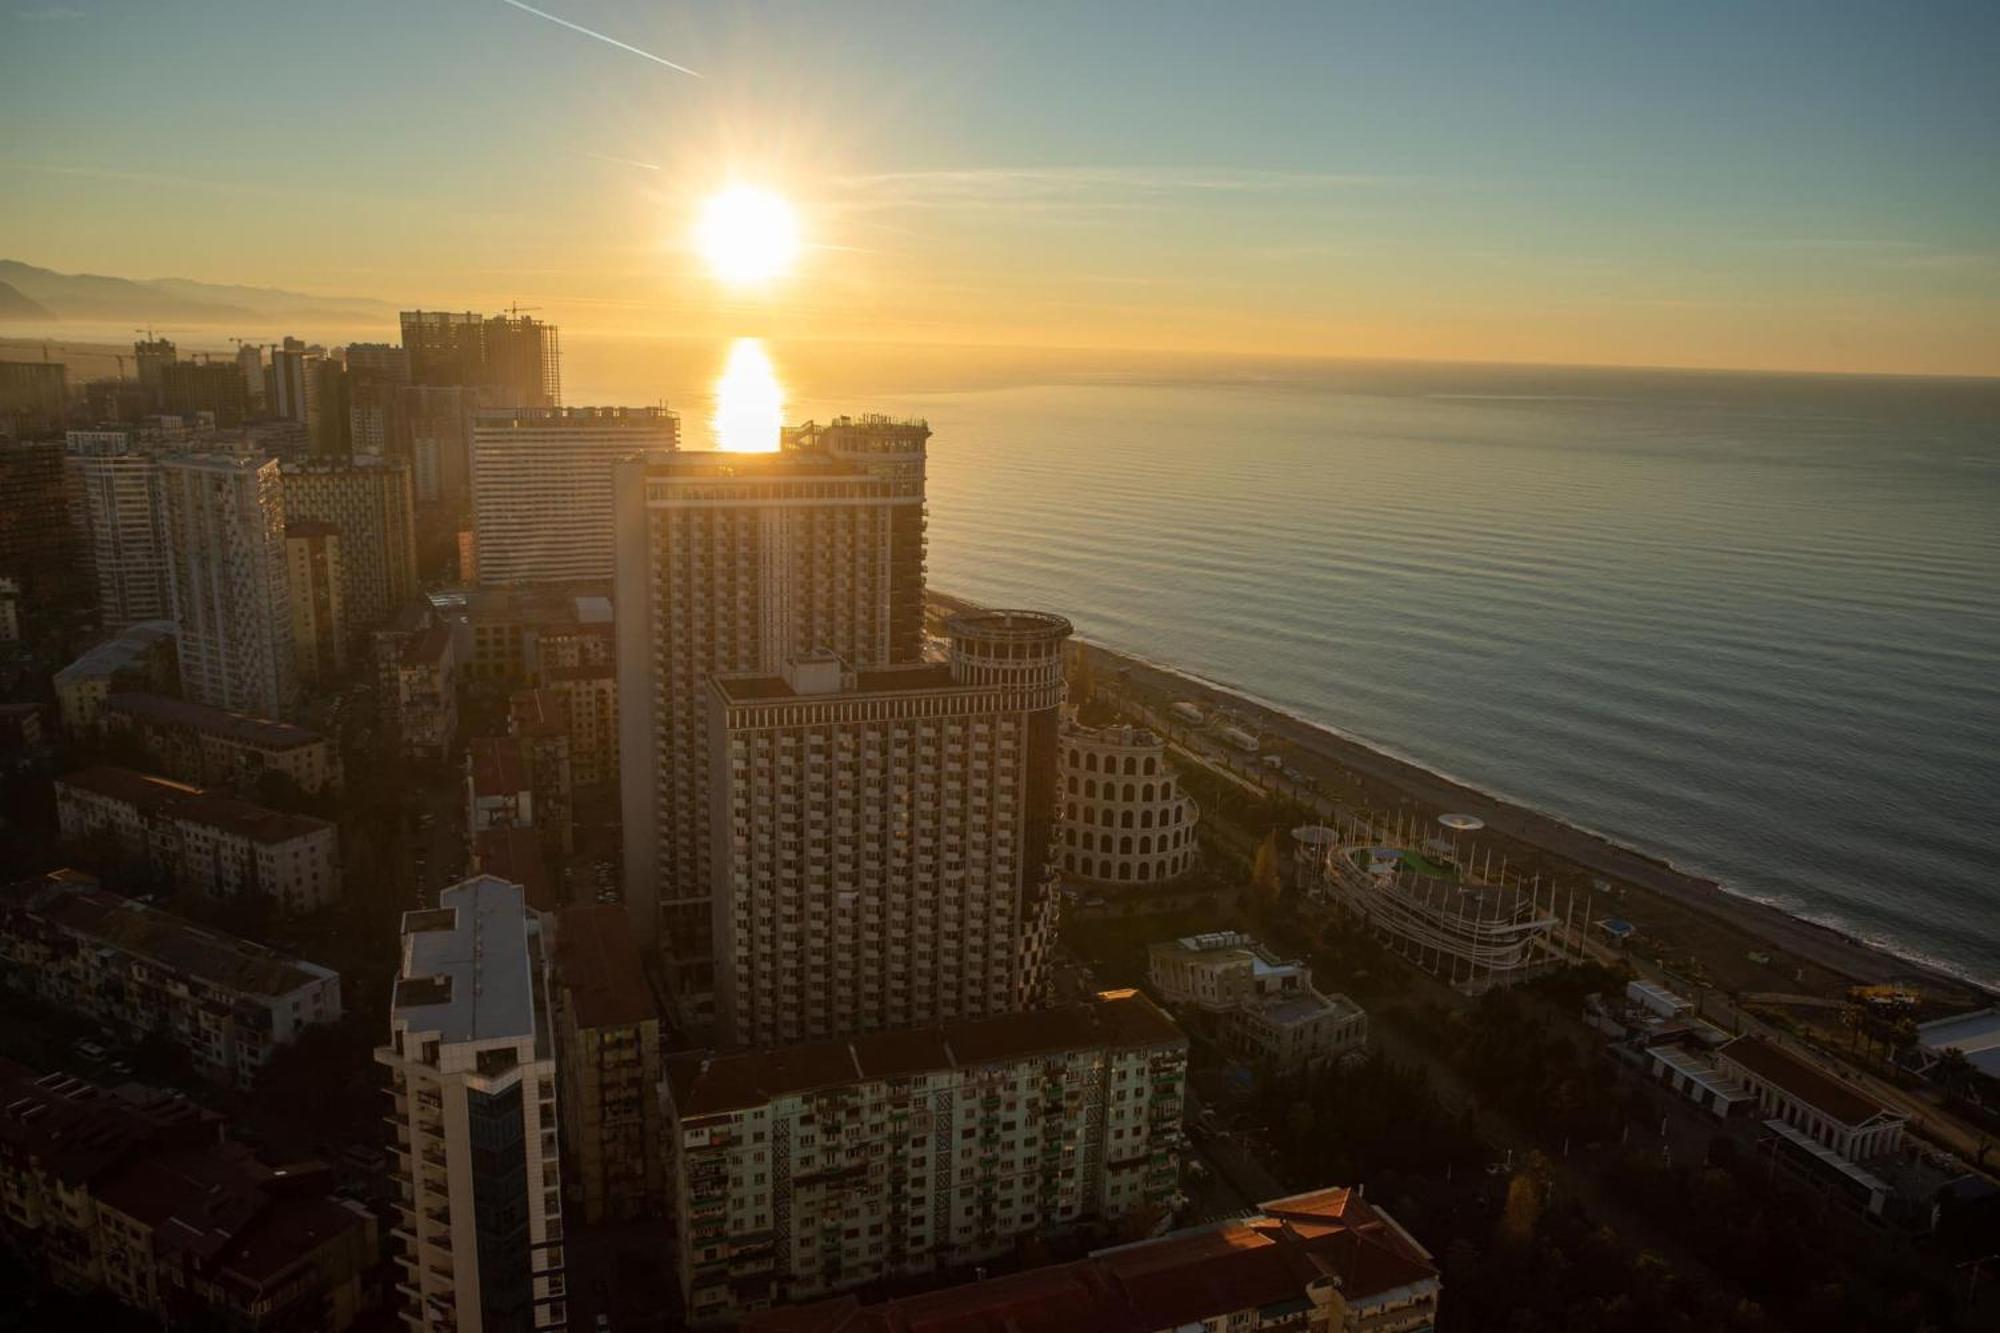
{"type": "Point", "coordinates": [518, 360]}
{"type": "Point", "coordinates": [1430, 898]}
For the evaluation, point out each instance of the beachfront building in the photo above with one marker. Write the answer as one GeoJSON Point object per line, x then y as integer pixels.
{"type": "Point", "coordinates": [140, 657]}
{"type": "Point", "coordinates": [213, 747]}
{"type": "Point", "coordinates": [541, 487]}
{"type": "Point", "coordinates": [608, 1051]}
{"type": "Point", "coordinates": [1323, 1262]}
{"type": "Point", "coordinates": [225, 543]}
{"type": "Point", "coordinates": [808, 1170]}
{"type": "Point", "coordinates": [473, 1076]}
{"type": "Point", "coordinates": [1125, 819]}
{"type": "Point", "coordinates": [217, 846]}
{"type": "Point", "coordinates": [1821, 1108]}
{"type": "Point", "coordinates": [884, 840]}
{"type": "Point", "coordinates": [1260, 1006]}
{"type": "Point", "coordinates": [416, 682]}
{"type": "Point", "coordinates": [133, 1193]}
{"type": "Point", "coordinates": [138, 970]}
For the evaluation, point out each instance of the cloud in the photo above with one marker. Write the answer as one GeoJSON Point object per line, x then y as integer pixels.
{"type": "Point", "coordinates": [50, 14]}
{"type": "Point", "coordinates": [1084, 187]}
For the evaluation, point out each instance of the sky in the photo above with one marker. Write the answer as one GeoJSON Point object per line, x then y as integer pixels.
{"type": "Point", "coordinates": [1748, 185]}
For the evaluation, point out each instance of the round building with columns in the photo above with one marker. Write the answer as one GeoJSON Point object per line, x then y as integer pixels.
{"type": "Point", "coordinates": [1125, 818]}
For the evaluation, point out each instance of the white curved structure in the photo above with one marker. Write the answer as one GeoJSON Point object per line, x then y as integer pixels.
{"type": "Point", "coordinates": [1125, 818]}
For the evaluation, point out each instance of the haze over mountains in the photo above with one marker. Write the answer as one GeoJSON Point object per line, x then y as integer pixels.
{"type": "Point", "coordinates": [28, 293]}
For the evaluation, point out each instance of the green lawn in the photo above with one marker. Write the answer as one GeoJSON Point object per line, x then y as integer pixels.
{"type": "Point", "coordinates": [1423, 865]}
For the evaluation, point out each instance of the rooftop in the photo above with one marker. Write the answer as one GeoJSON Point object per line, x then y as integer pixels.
{"type": "Point", "coordinates": [240, 727]}
{"type": "Point", "coordinates": [123, 653]}
{"type": "Point", "coordinates": [474, 974]}
{"type": "Point", "coordinates": [79, 907]}
{"type": "Point", "coordinates": [1975, 1035]}
{"type": "Point", "coordinates": [1821, 1091]}
{"type": "Point", "coordinates": [497, 767]}
{"type": "Point", "coordinates": [708, 1085]}
{"type": "Point", "coordinates": [514, 853]}
{"type": "Point", "coordinates": [597, 964]}
{"type": "Point", "coordinates": [742, 689]}
{"type": "Point", "coordinates": [176, 800]}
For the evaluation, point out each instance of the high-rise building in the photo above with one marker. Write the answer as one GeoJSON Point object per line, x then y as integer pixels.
{"type": "Point", "coordinates": [472, 1065]}
{"type": "Point", "coordinates": [118, 490]}
{"type": "Point", "coordinates": [250, 365]}
{"type": "Point", "coordinates": [225, 537]}
{"type": "Point", "coordinates": [188, 388]}
{"type": "Point", "coordinates": [34, 398]}
{"type": "Point", "coordinates": [740, 562]}
{"type": "Point", "coordinates": [370, 501]}
{"type": "Point", "coordinates": [435, 433]}
{"type": "Point", "coordinates": [41, 548]}
{"type": "Point", "coordinates": [377, 374]}
{"type": "Point", "coordinates": [541, 487]}
{"type": "Point", "coordinates": [292, 385]}
{"type": "Point", "coordinates": [315, 576]}
{"type": "Point", "coordinates": [518, 358]}
{"type": "Point", "coordinates": [152, 357]}
{"type": "Point", "coordinates": [329, 430]}
{"type": "Point", "coordinates": [812, 1169]}
{"type": "Point", "coordinates": [883, 841]}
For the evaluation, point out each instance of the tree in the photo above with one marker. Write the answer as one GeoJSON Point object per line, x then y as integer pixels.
{"type": "Point", "coordinates": [1264, 870]}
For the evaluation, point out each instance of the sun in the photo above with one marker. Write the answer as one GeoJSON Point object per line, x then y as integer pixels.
{"type": "Point", "coordinates": [748, 235]}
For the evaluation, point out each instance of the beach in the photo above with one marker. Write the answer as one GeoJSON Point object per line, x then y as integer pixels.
{"type": "Point", "coordinates": [1690, 924]}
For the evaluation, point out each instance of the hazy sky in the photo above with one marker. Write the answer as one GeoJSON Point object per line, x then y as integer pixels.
{"type": "Point", "coordinates": [1735, 184]}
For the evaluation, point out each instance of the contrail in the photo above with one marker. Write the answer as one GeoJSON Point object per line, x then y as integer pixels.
{"type": "Point", "coordinates": [589, 32]}
{"type": "Point", "coordinates": [624, 161]}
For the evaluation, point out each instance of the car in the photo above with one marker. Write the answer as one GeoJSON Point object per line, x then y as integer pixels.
{"type": "Point", "coordinates": [90, 1050]}
{"type": "Point", "coordinates": [603, 1324]}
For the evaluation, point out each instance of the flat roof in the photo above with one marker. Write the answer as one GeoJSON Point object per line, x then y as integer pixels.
{"type": "Point", "coordinates": [1975, 1035]}
{"type": "Point", "coordinates": [1822, 1092]}
{"type": "Point", "coordinates": [260, 731]}
{"type": "Point", "coordinates": [1701, 1071]}
{"type": "Point", "coordinates": [1291, 1008]}
{"type": "Point", "coordinates": [162, 796]}
{"type": "Point", "coordinates": [482, 958]}
{"type": "Point", "coordinates": [597, 962]}
{"type": "Point", "coordinates": [79, 907]}
{"type": "Point", "coordinates": [739, 689]}
{"type": "Point", "coordinates": [1827, 1156]}
{"type": "Point", "coordinates": [497, 766]}
{"type": "Point", "coordinates": [121, 653]}
{"type": "Point", "coordinates": [707, 1085]}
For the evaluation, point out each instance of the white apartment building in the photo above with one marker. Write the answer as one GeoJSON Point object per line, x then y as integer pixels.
{"type": "Point", "coordinates": [1125, 818]}
{"type": "Point", "coordinates": [739, 562]}
{"type": "Point", "coordinates": [373, 505]}
{"type": "Point", "coordinates": [807, 1170]}
{"type": "Point", "coordinates": [228, 1002]}
{"type": "Point", "coordinates": [1261, 1007]}
{"type": "Point", "coordinates": [117, 494]}
{"type": "Point", "coordinates": [884, 840]}
{"type": "Point", "coordinates": [225, 531]}
{"type": "Point", "coordinates": [472, 1068]}
{"type": "Point", "coordinates": [541, 487]}
{"type": "Point", "coordinates": [214, 845]}
{"type": "Point", "coordinates": [211, 747]}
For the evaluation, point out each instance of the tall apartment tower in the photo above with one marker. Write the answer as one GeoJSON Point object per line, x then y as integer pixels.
{"type": "Point", "coordinates": [541, 487]}
{"type": "Point", "coordinates": [313, 569]}
{"type": "Point", "coordinates": [292, 386]}
{"type": "Point", "coordinates": [734, 563]}
{"type": "Point", "coordinates": [883, 842]}
{"type": "Point", "coordinates": [372, 502]}
{"type": "Point", "coordinates": [434, 425]}
{"type": "Point", "coordinates": [117, 491]}
{"type": "Point", "coordinates": [152, 357]}
{"type": "Point", "coordinates": [519, 358]}
{"type": "Point", "coordinates": [473, 1074]}
{"type": "Point", "coordinates": [377, 373]}
{"type": "Point", "coordinates": [225, 539]}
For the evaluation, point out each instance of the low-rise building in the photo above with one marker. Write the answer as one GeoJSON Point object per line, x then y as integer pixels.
{"type": "Point", "coordinates": [497, 790]}
{"type": "Point", "coordinates": [1260, 1006]}
{"type": "Point", "coordinates": [214, 845]}
{"type": "Point", "coordinates": [134, 1193]}
{"type": "Point", "coordinates": [1822, 1108]}
{"type": "Point", "coordinates": [1323, 1262]}
{"type": "Point", "coordinates": [538, 722]}
{"type": "Point", "coordinates": [213, 747]}
{"type": "Point", "coordinates": [140, 657]}
{"type": "Point", "coordinates": [811, 1169]}
{"type": "Point", "coordinates": [515, 855]}
{"type": "Point", "coordinates": [138, 970]}
{"type": "Point", "coordinates": [416, 682]}
{"type": "Point", "coordinates": [608, 1050]}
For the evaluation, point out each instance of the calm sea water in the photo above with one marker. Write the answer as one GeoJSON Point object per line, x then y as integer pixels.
{"type": "Point", "coordinates": [1748, 623]}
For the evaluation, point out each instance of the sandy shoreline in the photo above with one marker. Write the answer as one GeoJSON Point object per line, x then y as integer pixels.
{"type": "Point", "coordinates": [1695, 914]}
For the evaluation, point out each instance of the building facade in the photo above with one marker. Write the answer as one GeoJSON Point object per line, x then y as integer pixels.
{"type": "Point", "coordinates": [211, 747]}
{"type": "Point", "coordinates": [314, 574]}
{"type": "Point", "coordinates": [225, 532]}
{"type": "Point", "coordinates": [371, 503]}
{"type": "Point", "coordinates": [608, 1049]}
{"type": "Point", "coordinates": [138, 970]}
{"type": "Point", "coordinates": [518, 360]}
{"type": "Point", "coordinates": [808, 1170]}
{"type": "Point", "coordinates": [117, 488]}
{"type": "Point", "coordinates": [739, 563]}
{"type": "Point", "coordinates": [41, 549]}
{"type": "Point", "coordinates": [541, 487]}
{"type": "Point", "coordinates": [212, 845]}
{"type": "Point", "coordinates": [1260, 1006]}
{"type": "Point", "coordinates": [1125, 819]}
{"type": "Point", "coordinates": [141, 656]}
{"type": "Point", "coordinates": [1822, 1109]}
{"type": "Point", "coordinates": [416, 682]}
{"type": "Point", "coordinates": [34, 398]}
{"type": "Point", "coordinates": [884, 840]}
{"type": "Point", "coordinates": [472, 1072]}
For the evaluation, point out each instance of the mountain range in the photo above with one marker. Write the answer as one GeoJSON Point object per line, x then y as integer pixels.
{"type": "Point", "coordinates": [40, 294]}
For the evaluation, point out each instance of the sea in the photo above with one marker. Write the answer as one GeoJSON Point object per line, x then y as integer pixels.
{"type": "Point", "coordinates": [1747, 623]}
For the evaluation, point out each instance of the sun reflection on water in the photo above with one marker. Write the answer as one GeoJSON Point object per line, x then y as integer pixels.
{"type": "Point", "coordinates": [749, 401]}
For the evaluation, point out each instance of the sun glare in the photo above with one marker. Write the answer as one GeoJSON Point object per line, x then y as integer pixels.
{"type": "Point", "coordinates": [749, 401]}
{"type": "Point", "coordinates": [748, 235]}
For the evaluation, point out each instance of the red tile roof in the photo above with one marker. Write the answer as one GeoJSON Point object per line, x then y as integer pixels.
{"type": "Point", "coordinates": [597, 963]}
